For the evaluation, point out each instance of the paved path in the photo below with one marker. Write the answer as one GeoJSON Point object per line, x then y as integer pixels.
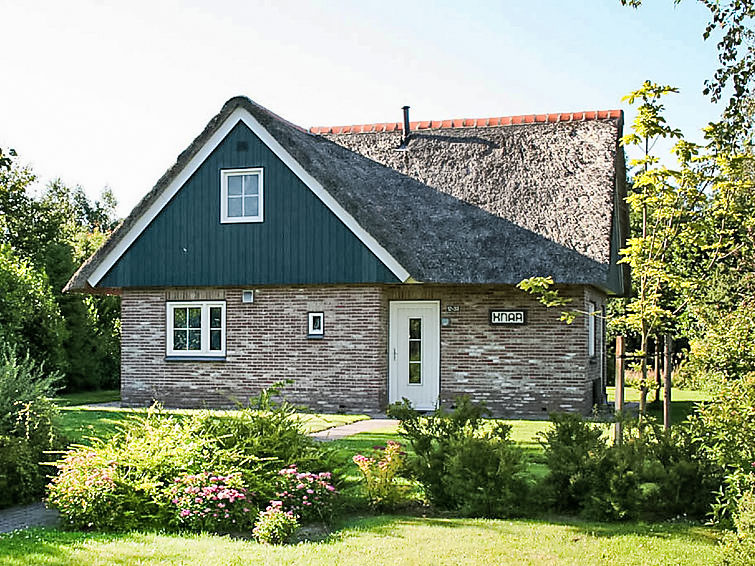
{"type": "Point", "coordinates": [338, 432]}
{"type": "Point", "coordinates": [34, 515]}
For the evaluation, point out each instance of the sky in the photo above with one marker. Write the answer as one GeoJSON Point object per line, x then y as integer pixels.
{"type": "Point", "coordinates": [108, 93]}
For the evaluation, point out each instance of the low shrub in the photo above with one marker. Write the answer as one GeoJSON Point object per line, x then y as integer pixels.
{"type": "Point", "coordinates": [210, 502]}
{"type": "Point", "coordinates": [156, 462]}
{"type": "Point", "coordinates": [309, 496]}
{"type": "Point", "coordinates": [652, 474]}
{"type": "Point", "coordinates": [463, 462]}
{"type": "Point", "coordinates": [274, 525]}
{"type": "Point", "coordinates": [384, 491]}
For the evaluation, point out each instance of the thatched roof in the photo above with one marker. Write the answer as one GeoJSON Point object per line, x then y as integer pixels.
{"type": "Point", "coordinates": [457, 205]}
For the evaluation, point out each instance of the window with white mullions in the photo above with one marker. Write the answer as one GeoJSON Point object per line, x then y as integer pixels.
{"type": "Point", "coordinates": [196, 328]}
{"type": "Point", "coordinates": [415, 351]}
{"type": "Point", "coordinates": [241, 195]}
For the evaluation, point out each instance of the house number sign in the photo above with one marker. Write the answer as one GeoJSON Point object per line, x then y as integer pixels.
{"type": "Point", "coordinates": [507, 317]}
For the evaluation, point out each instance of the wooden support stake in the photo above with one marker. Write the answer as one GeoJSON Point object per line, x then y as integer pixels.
{"type": "Point", "coordinates": [619, 392]}
{"type": "Point", "coordinates": [667, 382]}
{"type": "Point", "coordinates": [657, 369]}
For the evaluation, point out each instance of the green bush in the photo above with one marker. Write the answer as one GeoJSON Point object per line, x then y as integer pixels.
{"type": "Point", "coordinates": [725, 431]}
{"type": "Point", "coordinates": [463, 462]}
{"type": "Point", "coordinates": [274, 525]}
{"type": "Point", "coordinates": [739, 546]}
{"type": "Point", "coordinates": [27, 427]}
{"type": "Point", "coordinates": [153, 454]}
{"type": "Point", "coordinates": [652, 474]}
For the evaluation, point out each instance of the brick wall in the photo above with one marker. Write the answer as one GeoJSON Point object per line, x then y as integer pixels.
{"type": "Point", "coordinates": [266, 342]}
{"type": "Point", "coordinates": [527, 370]}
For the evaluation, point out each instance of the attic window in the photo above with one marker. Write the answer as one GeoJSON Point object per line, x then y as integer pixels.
{"type": "Point", "coordinates": [241, 195]}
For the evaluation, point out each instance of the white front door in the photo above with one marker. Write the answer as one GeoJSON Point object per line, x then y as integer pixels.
{"type": "Point", "coordinates": [414, 353]}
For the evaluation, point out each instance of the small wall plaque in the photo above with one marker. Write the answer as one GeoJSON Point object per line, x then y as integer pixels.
{"type": "Point", "coordinates": [508, 317]}
{"type": "Point", "coordinates": [452, 308]}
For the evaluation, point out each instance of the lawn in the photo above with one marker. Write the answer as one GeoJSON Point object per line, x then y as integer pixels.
{"type": "Point", "coordinates": [683, 402]}
{"type": "Point", "coordinates": [81, 423]}
{"type": "Point", "coordinates": [385, 540]}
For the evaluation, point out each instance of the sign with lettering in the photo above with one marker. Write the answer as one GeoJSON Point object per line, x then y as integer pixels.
{"type": "Point", "coordinates": [506, 316]}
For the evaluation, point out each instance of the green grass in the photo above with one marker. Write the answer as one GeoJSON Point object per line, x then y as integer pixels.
{"type": "Point", "coordinates": [79, 424]}
{"type": "Point", "coordinates": [88, 397]}
{"type": "Point", "coordinates": [683, 402]}
{"type": "Point", "coordinates": [385, 540]}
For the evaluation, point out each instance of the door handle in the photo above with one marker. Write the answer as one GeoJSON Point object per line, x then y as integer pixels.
{"type": "Point", "coordinates": [394, 354]}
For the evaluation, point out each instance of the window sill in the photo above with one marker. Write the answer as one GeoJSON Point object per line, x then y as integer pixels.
{"type": "Point", "coordinates": [315, 336]}
{"type": "Point", "coordinates": [195, 358]}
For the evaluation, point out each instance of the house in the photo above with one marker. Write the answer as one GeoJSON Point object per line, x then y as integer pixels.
{"type": "Point", "coordinates": [371, 263]}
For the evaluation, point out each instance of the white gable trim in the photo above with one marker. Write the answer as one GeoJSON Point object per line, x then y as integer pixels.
{"type": "Point", "coordinates": [243, 115]}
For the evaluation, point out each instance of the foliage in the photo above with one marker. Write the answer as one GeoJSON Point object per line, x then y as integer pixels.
{"type": "Point", "coordinates": [383, 489]}
{"type": "Point", "coordinates": [739, 546]}
{"type": "Point", "coordinates": [269, 433]}
{"type": "Point", "coordinates": [210, 502]}
{"type": "Point", "coordinates": [27, 426]}
{"type": "Point", "coordinates": [462, 462]}
{"type": "Point", "coordinates": [309, 496]}
{"type": "Point", "coordinates": [724, 428]}
{"type": "Point", "coordinates": [541, 287]}
{"type": "Point", "coordinates": [243, 448]}
{"type": "Point", "coordinates": [30, 318]}
{"type": "Point", "coordinates": [48, 237]}
{"type": "Point", "coordinates": [274, 525]}
{"type": "Point", "coordinates": [725, 351]}
{"type": "Point", "coordinates": [652, 474]}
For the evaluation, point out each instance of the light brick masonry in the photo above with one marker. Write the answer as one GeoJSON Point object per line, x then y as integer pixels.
{"type": "Point", "coordinates": [527, 370]}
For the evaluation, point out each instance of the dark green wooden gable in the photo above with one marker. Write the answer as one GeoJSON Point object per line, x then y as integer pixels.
{"type": "Point", "coordinates": [300, 241]}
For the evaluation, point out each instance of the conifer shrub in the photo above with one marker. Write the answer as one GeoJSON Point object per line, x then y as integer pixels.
{"type": "Point", "coordinates": [653, 474]}
{"type": "Point", "coordinates": [464, 462]}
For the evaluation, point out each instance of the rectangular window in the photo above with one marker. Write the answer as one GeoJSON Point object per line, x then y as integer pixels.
{"type": "Point", "coordinates": [591, 328]}
{"type": "Point", "coordinates": [241, 195]}
{"type": "Point", "coordinates": [196, 328]}
{"type": "Point", "coordinates": [315, 324]}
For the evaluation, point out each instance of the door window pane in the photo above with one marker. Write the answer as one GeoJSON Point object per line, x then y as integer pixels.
{"type": "Point", "coordinates": [415, 351]}
{"type": "Point", "coordinates": [415, 373]}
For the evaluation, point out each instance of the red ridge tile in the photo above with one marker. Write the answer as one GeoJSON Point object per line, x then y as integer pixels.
{"type": "Point", "coordinates": [470, 122]}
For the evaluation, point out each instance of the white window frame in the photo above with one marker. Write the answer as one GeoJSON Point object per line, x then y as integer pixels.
{"type": "Point", "coordinates": [224, 176]}
{"type": "Point", "coordinates": [205, 351]}
{"type": "Point", "coordinates": [592, 328]}
{"type": "Point", "coordinates": [313, 332]}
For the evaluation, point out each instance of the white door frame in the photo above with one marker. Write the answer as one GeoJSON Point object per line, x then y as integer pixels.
{"type": "Point", "coordinates": [428, 396]}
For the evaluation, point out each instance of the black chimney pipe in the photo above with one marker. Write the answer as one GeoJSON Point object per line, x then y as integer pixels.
{"type": "Point", "coordinates": [406, 124]}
